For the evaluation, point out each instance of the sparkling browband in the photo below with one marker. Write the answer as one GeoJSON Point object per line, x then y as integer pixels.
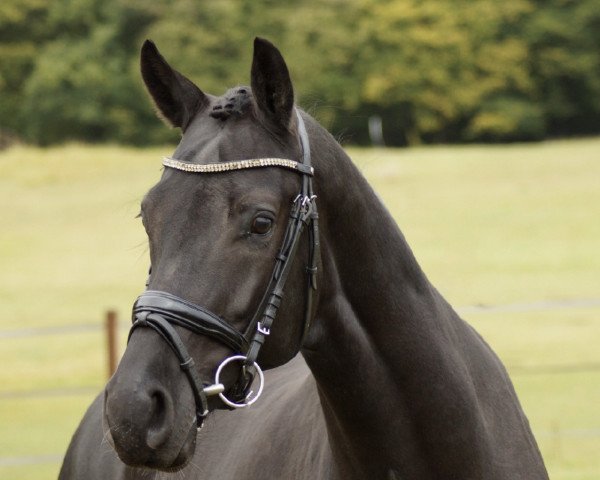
{"type": "Point", "coordinates": [237, 165]}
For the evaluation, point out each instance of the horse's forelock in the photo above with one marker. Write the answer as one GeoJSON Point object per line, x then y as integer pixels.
{"type": "Point", "coordinates": [236, 101]}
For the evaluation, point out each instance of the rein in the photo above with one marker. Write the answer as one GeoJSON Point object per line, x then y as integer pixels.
{"type": "Point", "coordinates": [161, 310]}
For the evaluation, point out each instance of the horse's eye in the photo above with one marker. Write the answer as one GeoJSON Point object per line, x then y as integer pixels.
{"type": "Point", "coordinates": [261, 225]}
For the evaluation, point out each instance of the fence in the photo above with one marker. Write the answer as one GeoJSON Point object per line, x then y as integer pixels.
{"type": "Point", "coordinates": [110, 326]}
{"type": "Point", "coordinates": [110, 329]}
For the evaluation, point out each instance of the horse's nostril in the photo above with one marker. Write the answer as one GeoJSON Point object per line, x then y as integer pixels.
{"type": "Point", "coordinates": [160, 419]}
{"type": "Point", "coordinates": [157, 408]}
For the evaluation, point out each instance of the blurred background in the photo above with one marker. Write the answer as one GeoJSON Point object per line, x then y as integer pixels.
{"type": "Point", "coordinates": [439, 71]}
{"type": "Point", "coordinates": [477, 121]}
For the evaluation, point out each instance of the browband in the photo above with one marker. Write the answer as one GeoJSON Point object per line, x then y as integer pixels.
{"type": "Point", "coordinates": [237, 165]}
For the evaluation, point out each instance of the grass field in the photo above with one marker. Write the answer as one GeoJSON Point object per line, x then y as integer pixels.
{"type": "Point", "coordinates": [490, 225]}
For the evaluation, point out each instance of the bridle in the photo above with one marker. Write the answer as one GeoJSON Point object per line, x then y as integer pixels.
{"type": "Point", "coordinates": [161, 311]}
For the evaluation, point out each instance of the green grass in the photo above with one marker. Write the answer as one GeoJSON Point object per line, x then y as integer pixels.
{"type": "Point", "coordinates": [38, 427]}
{"type": "Point", "coordinates": [489, 224]}
{"type": "Point", "coordinates": [70, 244]}
{"type": "Point", "coordinates": [562, 404]}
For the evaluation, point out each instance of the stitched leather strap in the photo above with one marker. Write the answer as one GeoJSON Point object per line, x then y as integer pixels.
{"type": "Point", "coordinates": [188, 315]}
{"type": "Point", "coordinates": [186, 362]}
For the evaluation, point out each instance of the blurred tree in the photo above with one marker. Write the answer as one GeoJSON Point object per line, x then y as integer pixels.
{"type": "Point", "coordinates": [21, 32]}
{"type": "Point", "coordinates": [83, 85]}
{"type": "Point", "coordinates": [436, 71]}
{"type": "Point", "coordinates": [444, 69]}
{"type": "Point", "coordinates": [564, 39]}
{"type": "Point", "coordinates": [325, 39]}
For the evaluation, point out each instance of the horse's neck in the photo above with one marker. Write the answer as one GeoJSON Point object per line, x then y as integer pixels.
{"type": "Point", "coordinates": [403, 381]}
{"type": "Point", "coordinates": [373, 298]}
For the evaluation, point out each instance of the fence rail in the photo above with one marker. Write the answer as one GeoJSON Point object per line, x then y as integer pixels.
{"type": "Point", "coordinates": [111, 325]}
{"type": "Point", "coordinates": [522, 307]}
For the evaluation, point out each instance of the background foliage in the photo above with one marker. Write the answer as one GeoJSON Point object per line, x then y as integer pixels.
{"type": "Point", "coordinates": [435, 71]}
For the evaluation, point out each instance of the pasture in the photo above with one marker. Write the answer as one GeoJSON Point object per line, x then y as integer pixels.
{"type": "Point", "coordinates": [508, 234]}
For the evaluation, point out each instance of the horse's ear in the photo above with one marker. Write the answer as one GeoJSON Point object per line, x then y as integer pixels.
{"type": "Point", "coordinates": [271, 84]}
{"type": "Point", "coordinates": [177, 98]}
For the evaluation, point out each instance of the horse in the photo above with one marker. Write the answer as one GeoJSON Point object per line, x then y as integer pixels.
{"type": "Point", "coordinates": [368, 372]}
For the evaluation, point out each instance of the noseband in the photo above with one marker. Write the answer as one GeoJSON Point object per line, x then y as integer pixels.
{"type": "Point", "coordinates": [161, 311]}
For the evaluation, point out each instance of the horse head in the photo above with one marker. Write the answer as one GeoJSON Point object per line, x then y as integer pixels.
{"type": "Point", "coordinates": [224, 224]}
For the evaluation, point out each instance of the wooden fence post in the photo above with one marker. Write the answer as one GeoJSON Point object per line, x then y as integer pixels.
{"type": "Point", "coordinates": [111, 340]}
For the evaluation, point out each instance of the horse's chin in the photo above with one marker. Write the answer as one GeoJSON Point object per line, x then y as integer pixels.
{"type": "Point", "coordinates": [167, 458]}
{"type": "Point", "coordinates": [187, 450]}
{"type": "Point", "coordinates": [181, 460]}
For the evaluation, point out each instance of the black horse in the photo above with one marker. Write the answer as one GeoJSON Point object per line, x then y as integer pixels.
{"type": "Point", "coordinates": [390, 383]}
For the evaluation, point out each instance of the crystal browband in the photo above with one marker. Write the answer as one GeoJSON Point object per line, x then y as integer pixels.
{"type": "Point", "coordinates": [237, 165]}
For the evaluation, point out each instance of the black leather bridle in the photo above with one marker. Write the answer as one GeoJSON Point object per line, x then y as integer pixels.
{"type": "Point", "coordinates": [161, 311]}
